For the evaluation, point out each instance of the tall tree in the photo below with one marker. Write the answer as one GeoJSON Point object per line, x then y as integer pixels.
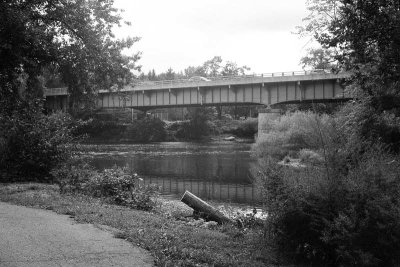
{"type": "Point", "coordinates": [231, 68]}
{"type": "Point", "coordinates": [318, 58]}
{"type": "Point", "coordinates": [68, 41]}
{"type": "Point", "coordinates": [366, 37]}
{"type": "Point", "coordinates": [212, 67]}
{"type": "Point", "coordinates": [76, 36]}
{"type": "Point", "coordinates": [194, 71]}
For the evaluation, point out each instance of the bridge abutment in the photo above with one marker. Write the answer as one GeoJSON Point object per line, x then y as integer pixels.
{"type": "Point", "coordinates": [265, 118]}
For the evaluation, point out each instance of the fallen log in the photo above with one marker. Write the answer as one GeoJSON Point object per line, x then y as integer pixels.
{"type": "Point", "coordinates": [204, 209]}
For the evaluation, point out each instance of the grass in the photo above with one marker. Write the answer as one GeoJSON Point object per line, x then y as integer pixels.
{"type": "Point", "coordinates": [172, 242]}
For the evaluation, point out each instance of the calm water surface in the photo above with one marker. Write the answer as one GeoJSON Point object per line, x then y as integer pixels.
{"type": "Point", "coordinates": [213, 171]}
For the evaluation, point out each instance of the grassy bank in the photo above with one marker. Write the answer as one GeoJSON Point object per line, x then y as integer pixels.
{"type": "Point", "coordinates": [172, 241]}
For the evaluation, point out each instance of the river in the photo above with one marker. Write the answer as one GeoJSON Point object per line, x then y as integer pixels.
{"type": "Point", "coordinates": [218, 171]}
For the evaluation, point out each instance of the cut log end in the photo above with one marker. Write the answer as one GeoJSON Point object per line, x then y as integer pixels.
{"type": "Point", "coordinates": [204, 209]}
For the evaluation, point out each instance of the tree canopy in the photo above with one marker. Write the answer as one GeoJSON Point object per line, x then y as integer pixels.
{"type": "Point", "coordinates": [318, 58]}
{"type": "Point", "coordinates": [366, 38]}
{"type": "Point", "coordinates": [53, 42]}
{"type": "Point", "coordinates": [210, 68]}
{"type": "Point", "coordinates": [72, 37]}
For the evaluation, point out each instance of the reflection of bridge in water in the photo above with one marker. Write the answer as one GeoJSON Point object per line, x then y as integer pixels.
{"type": "Point", "coordinates": [218, 170]}
{"type": "Point", "coordinates": [208, 190]}
{"type": "Point", "coordinates": [257, 89]}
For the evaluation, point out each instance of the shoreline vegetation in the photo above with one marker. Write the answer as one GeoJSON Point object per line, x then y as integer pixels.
{"type": "Point", "coordinates": [148, 130]}
{"type": "Point", "coordinates": [330, 194]}
{"type": "Point", "coordinates": [172, 237]}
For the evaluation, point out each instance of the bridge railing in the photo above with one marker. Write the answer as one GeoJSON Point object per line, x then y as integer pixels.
{"type": "Point", "coordinates": [235, 77]}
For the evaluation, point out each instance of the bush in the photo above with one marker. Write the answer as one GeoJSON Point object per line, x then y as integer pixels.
{"type": "Point", "coordinates": [323, 216]}
{"type": "Point", "coordinates": [72, 177]}
{"type": "Point", "coordinates": [295, 131]}
{"type": "Point", "coordinates": [119, 185]}
{"type": "Point", "coordinates": [310, 156]}
{"type": "Point", "coordinates": [246, 128]}
{"type": "Point", "coordinates": [343, 208]}
{"type": "Point", "coordinates": [141, 131]}
{"type": "Point", "coordinates": [34, 144]}
{"type": "Point", "coordinates": [353, 220]}
{"type": "Point", "coordinates": [362, 125]}
{"type": "Point", "coordinates": [95, 128]}
{"type": "Point", "coordinates": [197, 126]}
{"type": "Point", "coordinates": [146, 130]}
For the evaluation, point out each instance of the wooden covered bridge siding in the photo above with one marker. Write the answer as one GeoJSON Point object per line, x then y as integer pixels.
{"type": "Point", "coordinates": [254, 93]}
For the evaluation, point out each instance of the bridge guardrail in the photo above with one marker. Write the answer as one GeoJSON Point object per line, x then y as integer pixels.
{"type": "Point", "coordinates": [236, 77]}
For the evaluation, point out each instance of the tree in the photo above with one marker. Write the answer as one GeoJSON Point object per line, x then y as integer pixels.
{"type": "Point", "coordinates": [194, 71]}
{"type": "Point", "coordinates": [365, 37]}
{"type": "Point", "coordinates": [75, 36]}
{"type": "Point", "coordinates": [318, 58]}
{"type": "Point", "coordinates": [212, 67]}
{"type": "Point", "coordinates": [168, 75]}
{"type": "Point", "coordinates": [231, 68]}
{"type": "Point", "coordinates": [71, 40]}
{"type": "Point", "coordinates": [197, 127]}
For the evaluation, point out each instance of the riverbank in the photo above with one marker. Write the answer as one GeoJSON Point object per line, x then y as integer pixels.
{"type": "Point", "coordinates": [150, 130]}
{"type": "Point", "coordinates": [170, 238]}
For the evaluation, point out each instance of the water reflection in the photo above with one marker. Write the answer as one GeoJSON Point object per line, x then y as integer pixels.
{"type": "Point", "coordinates": [217, 171]}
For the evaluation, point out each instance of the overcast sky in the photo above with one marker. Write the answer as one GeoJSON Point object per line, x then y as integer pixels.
{"type": "Point", "coordinates": [182, 33]}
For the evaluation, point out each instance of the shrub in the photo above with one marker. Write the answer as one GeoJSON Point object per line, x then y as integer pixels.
{"type": "Point", "coordinates": [310, 156]}
{"type": "Point", "coordinates": [197, 126]}
{"type": "Point", "coordinates": [343, 209]}
{"type": "Point", "coordinates": [147, 130]}
{"type": "Point", "coordinates": [362, 125]}
{"type": "Point", "coordinates": [332, 219]}
{"type": "Point", "coordinates": [119, 185]}
{"type": "Point", "coordinates": [34, 144]}
{"type": "Point", "coordinates": [95, 128]}
{"type": "Point", "coordinates": [246, 128]}
{"type": "Point", "coordinates": [295, 131]}
{"type": "Point", "coordinates": [72, 177]}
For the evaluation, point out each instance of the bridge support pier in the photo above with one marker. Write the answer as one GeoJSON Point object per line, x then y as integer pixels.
{"type": "Point", "coordinates": [265, 118]}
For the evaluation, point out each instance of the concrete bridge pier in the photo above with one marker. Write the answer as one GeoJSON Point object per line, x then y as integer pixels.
{"type": "Point", "coordinates": [265, 118]}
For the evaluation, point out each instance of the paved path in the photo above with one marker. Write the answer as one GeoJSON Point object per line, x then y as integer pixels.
{"type": "Point", "coordinates": [34, 237]}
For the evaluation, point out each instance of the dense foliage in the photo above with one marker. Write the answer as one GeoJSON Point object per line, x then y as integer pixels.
{"type": "Point", "coordinates": [197, 126]}
{"type": "Point", "coordinates": [72, 38]}
{"type": "Point", "coordinates": [247, 128]}
{"type": "Point", "coordinates": [338, 203]}
{"type": "Point", "coordinates": [147, 130]}
{"type": "Point", "coordinates": [336, 220]}
{"type": "Point", "coordinates": [293, 132]}
{"type": "Point", "coordinates": [53, 42]}
{"type": "Point", "coordinates": [118, 185]}
{"type": "Point", "coordinates": [210, 68]}
{"type": "Point", "coordinates": [364, 36]}
{"type": "Point", "coordinates": [144, 130]}
{"type": "Point", "coordinates": [33, 144]}
{"type": "Point", "coordinates": [334, 200]}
